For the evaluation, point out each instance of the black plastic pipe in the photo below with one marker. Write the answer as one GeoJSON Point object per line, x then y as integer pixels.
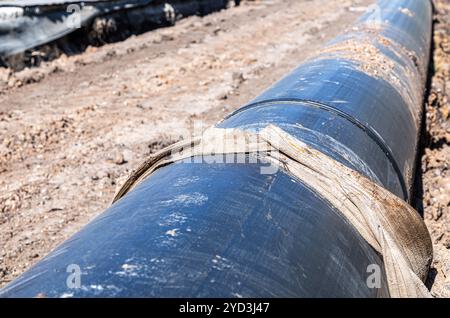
{"type": "Point", "coordinates": [226, 230]}
{"type": "Point", "coordinates": [26, 24]}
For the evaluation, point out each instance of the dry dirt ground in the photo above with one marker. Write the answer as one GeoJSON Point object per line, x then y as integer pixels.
{"type": "Point", "coordinates": [71, 128]}
{"type": "Point", "coordinates": [435, 178]}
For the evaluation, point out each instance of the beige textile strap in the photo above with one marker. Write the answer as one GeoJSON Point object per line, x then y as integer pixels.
{"type": "Point", "coordinates": [391, 226]}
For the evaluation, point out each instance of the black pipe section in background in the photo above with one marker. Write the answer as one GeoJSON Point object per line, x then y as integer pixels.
{"type": "Point", "coordinates": [67, 26]}
{"type": "Point", "coordinates": [226, 230]}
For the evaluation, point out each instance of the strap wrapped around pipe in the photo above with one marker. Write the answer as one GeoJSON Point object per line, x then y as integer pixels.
{"type": "Point", "coordinates": [387, 223]}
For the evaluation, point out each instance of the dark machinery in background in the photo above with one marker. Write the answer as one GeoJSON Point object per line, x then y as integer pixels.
{"type": "Point", "coordinates": [51, 27]}
{"type": "Point", "coordinates": [226, 230]}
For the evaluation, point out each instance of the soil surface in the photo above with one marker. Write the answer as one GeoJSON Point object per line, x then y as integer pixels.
{"type": "Point", "coordinates": [73, 128]}
{"type": "Point", "coordinates": [435, 169]}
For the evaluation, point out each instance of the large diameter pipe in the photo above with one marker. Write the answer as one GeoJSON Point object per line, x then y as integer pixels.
{"type": "Point", "coordinates": [226, 230]}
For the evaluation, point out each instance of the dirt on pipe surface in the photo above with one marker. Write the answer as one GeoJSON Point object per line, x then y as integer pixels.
{"type": "Point", "coordinates": [73, 128]}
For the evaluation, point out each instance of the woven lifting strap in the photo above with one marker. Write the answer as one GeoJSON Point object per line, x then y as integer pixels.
{"type": "Point", "coordinates": [391, 226]}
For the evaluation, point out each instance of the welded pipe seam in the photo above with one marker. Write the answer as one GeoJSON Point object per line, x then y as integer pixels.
{"type": "Point", "coordinates": [372, 133]}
